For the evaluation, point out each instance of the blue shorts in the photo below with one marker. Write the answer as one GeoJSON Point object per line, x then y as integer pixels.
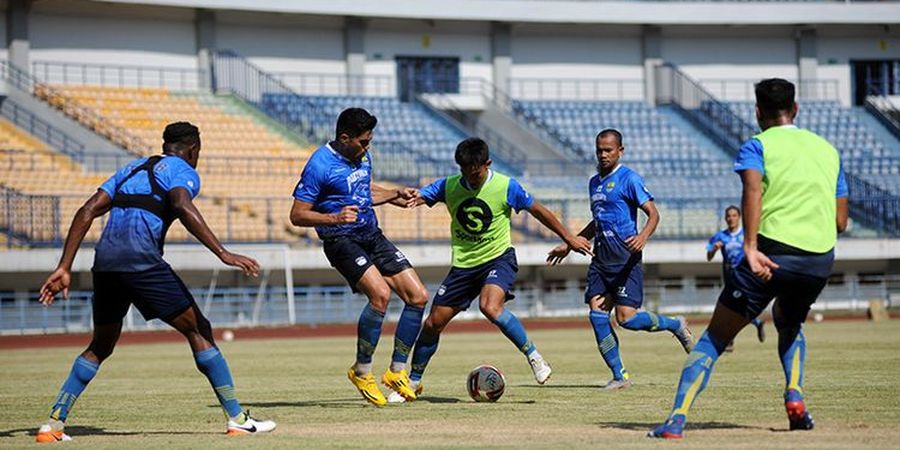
{"type": "Point", "coordinates": [353, 255]}
{"type": "Point", "coordinates": [157, 293]}
{"type": "Point", "coordinates": [796, 283]}
{"type": "Point", "coordinates": [463, 285]}
{"type": "Point", "coordinates": [623, 283]}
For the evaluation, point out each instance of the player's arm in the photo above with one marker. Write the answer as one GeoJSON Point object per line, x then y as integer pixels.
{"type": "Point", "coordinates": [59, 281]}
{"type": "Point", "coordinates": [558, 253]}
{"type": "Point", "coordinates": [185, 211]}
{"type": "Point", "coordinates": [751, 203]}
{"type": "Point", "coordinates": [637, 242]}
{"type": "Point", "coordinates": [843, 214]}
{"type": "Point", "coordinates": [713, 246]}
{"type": "Point", "coordinates": [403, 197]}
{"type": "Point", "coordinates": [578, 243]}
{"type": "Point", "coordinates": [303, 215]}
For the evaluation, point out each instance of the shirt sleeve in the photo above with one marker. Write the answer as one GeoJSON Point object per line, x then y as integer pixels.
{"type": "Point", "coordinates": [309, 186]}
{"type": "Point", "coordinates": [842, 189]}
{"type": "Point", "coordinates": [517, 197]}
{"type": "Point", "coordinates": [187, 178]}
{"type": "Point", "coordinates": [750, 157]}
{"type": "Point", "coordinates": [711, 245]}
{"type": "Point", "coordinates": [639, 192]}
{"type": "Point", "coordinates": [435, 192]}
{"type": "Point", "coordinates": [109, 186]}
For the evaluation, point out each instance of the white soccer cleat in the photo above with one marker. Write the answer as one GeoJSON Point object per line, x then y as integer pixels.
{"type": "Point", "coordinates": [684, 335]}
{"type": "Point", "coordinates": [250, 426]}
{"type": "Point", "coordinates": [540, 367]}
{"type": "Point", "coordinates": [395, 397]}
{"type": "Point", "coordinates": [48, 433]}
{"type": "Point", "coordinates": [617, 385]}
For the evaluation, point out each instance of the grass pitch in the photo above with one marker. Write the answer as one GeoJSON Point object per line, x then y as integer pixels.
{"type": "Point", "coordinates": [152, 396]}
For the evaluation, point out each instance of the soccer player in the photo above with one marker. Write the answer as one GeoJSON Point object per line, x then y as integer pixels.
{"type": "Point", "coordinates": [480, 202]}
{"type": "Point", "coordinates": [335, 194]}
{"type": "Point", "coordinates": [731, 242]}
{"type": "Point", "coordinates": [615, 277]}
{"type": "Point", "coordinates": [143, 199]}
{"type": "Point", "coordinates": [795, 204]}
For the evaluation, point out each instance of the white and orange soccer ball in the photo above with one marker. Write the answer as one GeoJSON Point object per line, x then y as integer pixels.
{"type": "Point", "coordinates": [486, 383]}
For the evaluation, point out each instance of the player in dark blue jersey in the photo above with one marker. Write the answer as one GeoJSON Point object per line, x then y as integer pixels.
{"type": "Point", "coordinates": [335, 194]}
{"type": "Point", "coordinates": [143, 199]}
{"type": "Point", "coordinates": [615, 277]}
{"type": "Point", "coordinates": [731, 242]}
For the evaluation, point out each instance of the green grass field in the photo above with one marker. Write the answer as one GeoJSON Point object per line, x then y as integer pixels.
{"type": "Point", "coordinates": [152, 396]}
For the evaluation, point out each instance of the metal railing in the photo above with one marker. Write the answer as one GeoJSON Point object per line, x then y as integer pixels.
{"type": "Point", "coordinates": [87, 116]}
{"type": "Point", "coordinates": [115, 75]}
{"type": "Point", "coordinates": [41, 129]}
{"type": "Point", "coordinates": [743, 89]}
{"type": "Point", "coordinates": [334, 84]}
{"type": "Point", "coordinates": [584, 89]}
{"type": "Point", "coordinates": [21, 313]}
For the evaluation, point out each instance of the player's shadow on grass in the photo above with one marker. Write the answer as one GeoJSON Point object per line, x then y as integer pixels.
{"type": "Point", "coordinates": [75, 431]}
{"type": "Point", "coordinates": [647, 426]}
{"type": "Point", "coordinates": [354, 402]}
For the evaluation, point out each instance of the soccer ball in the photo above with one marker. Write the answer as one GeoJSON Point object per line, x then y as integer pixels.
{"type": "Point", "coordinates": [486, 383]}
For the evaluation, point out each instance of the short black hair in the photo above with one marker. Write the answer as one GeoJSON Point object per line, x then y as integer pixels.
{"type": "Point", "coordinates": [774, 96]}
{"type": "Point", "coordinates": [734, 207]}
{"type": "Point", "coordinates": [612, 131]}
{"type": "Point", "coordinates": [178, 135]}
{"type": "Point", "coordinates": [472, 151]}
{"type": "Point", "coordinates": [354, 122]}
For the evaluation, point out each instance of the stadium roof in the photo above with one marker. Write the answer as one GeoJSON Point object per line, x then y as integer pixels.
{"type": "Point", "coordinates": [559, 11]}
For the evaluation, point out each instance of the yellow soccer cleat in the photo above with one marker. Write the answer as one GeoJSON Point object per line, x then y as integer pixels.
{"type": "Point", "coordinates": [399, 383]}
{"type": "Point", "coordinates": [394, 397]}
{"type": "Point", "coordinates": [367, 387]}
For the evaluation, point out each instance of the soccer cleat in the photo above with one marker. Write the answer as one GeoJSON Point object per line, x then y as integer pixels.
{"type": "Point", "coordinates": [798, 416]}
{"type": "Point", "coordinates": [249, 426]}
{"type": "Point", "coordinates": [730, 347]}
{"type": "Point", "coordinates": [672, 428]}
{"type": "Point", "coordinates": [399, 383]}
{"type": "Point", "coordinates": [50, 433]}
{"type": "Point", "coordinates": [367, 387]}
{"type": "Point", "coordinates": [761, 331]}
{"type": "Point", "coordinates": [616, 385]}
{"type": "Point", "coordinates": [684, 336]}
{"type": "Point", "coordinates": [395, 397]}
{"type": "Point", "coordinates": [540, 367]}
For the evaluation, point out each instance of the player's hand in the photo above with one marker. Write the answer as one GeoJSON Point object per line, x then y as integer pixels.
{"type": "Point", "coordinates": [247, 264]}
{"type": "Point", "coordinates": [558, 254]}
{"type": "Point", "coordinates": [581, 245]}
{"type": "Point", "coordinates": [636, 243]}
{"type": "Point", "coordinates": [760, 264]}
{"type": "Point", "coordinates": [57, 282]}
{"type": "Point", "coordinates": [718, 245]}
{"type": "Point", "coordinates": [408, 197]}
{"type": "Point", "coordinates": [348, 214]}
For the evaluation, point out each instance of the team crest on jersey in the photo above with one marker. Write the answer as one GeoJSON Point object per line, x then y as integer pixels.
{"type": "Point", "coordinates": [610, 186]}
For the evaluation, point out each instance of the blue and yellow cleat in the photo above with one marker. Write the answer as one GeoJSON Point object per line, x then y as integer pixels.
{"type": "Point", "coordinates": [798, 416]}
{"type": "Point", "coordinates": [672, 428]}
{"type": "Point", "coordinates": [367, 387]}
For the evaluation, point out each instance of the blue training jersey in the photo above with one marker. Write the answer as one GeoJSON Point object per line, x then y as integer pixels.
{"type": "Point", "coordinates": [329, 182]}
{"type": "Point", "coordinates": [615, 200]}
{"type": "Point", "coordinates": [130, 242]}
{"type": "Point", "coordinates": [516, 196]}
{"type": "Point", "coordinates": [732, 246]}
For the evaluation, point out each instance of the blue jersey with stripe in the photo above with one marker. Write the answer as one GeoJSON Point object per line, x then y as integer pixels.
{"type": "Point", "coordinates": [615, 199]}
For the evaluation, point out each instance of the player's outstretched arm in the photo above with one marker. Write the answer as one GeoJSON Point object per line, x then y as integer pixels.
{"type": "Point", "coordinates": [637, 242]}
{"type": "Point", "coordinates": [59, 280]}
{"type": "Point", "coordinates": [302, 215]}
{"type": "Point", "coordinates": [751, 203]}
{"type": "Point", "coordinates": [559, 253]}
{"type": "Point", "coordinates": [403, 197]}
{"type": "Point", "coordinates": [193, 221]}
{"type": "Point", "coordinates": [549, 220]}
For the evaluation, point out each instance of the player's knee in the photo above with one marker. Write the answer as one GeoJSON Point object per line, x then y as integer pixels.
{"type": "Point", "coordinates": [491, 311]}
{"type": "Point", "coordinates": [379, 298]}
{"type": "Point", "coordinates": [419, 298]}
{"type": "Point", "coordinates": [623, 314]}
{"type": "Point", "coordinates": [432, 327]}
{"type": "Point", "coordinates": [99, 351]}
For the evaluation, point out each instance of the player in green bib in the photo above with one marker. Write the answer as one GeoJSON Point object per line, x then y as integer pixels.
{"type": "Point", "coordinates": [480, 202]}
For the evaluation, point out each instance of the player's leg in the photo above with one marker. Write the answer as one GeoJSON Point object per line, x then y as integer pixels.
{"type": "Point", "coordinates": [759, 323]}
{"type": "Point", "coordinates": [368, 333]}
{"type": "Point", "coordinates": [409, 287]}
{"type": "Point", "coordinates": [607, 341]}
{"type": "Point", "coordinates": [427, 343]}
{"type": "Point", "coordinates": [491, 302]}
{"type": "Point", "coordinates": [83, 371]}
{"type": "Point", "coordinates": [628, 291]}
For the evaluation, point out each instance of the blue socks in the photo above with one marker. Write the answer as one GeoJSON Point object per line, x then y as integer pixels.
{"type": "Point", "coordinates": [211, 363]}
{"type": "Point", "coordinates": [407, 331]}
{"type": "Point", "coordinates": [514, 331]}
{"type": "Point", "coordinates": [792, 350]}
{"type": "Point", "coordinates": [82, 373]}
{"type": "Point", "coordinates": [648, 321]}
{"type": "Point", "coordinates": [368, 331]}
{"type": "Point", "coordinates": [425, 348]}
{"type": "Point", "coordinates": [608, 344]}
{"type": "Point", "coordinates": [696, 373]}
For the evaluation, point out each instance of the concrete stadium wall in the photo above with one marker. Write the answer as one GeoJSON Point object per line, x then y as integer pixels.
{"type": "Point", "coordinates": [837, 46]}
